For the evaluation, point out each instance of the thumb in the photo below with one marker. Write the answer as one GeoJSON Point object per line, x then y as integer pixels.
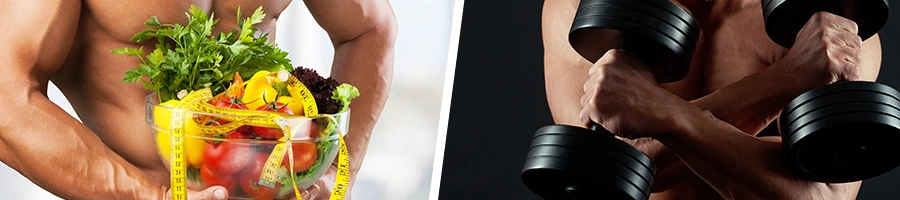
{"type": "Point", "coordinates": [211, 193]}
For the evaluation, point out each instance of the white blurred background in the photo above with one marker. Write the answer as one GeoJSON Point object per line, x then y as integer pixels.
{"type": "Point", "coordinates": [399, 161]}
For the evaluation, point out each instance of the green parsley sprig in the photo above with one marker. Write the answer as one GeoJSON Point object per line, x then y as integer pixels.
{"type": "Point", "coordinates": [191, 58]}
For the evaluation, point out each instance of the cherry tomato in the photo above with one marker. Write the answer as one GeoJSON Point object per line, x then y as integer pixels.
{"type": "Point", "coordinates": [227, 158]}
{"type": "Point", "coordinates": [268, 133]}
{"type": "Point", "coordinates": [210, 178]}
{"type": "Point", "coordinates": [305, 155]}
{"type": "Point", "coordinates": [249, 179]}
{"type": "Point", "coordinates": [227, 104]}
{"type": "Point", "coordinates": [272, 133]}
{"type": "Point", "coordinates": [246, 130]}
{"type": "Point", "coordinates": [236, 136]}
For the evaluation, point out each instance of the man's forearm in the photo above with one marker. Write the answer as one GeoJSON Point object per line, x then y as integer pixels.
{"type": "Point", "coordinates": [367, 63]}
{"type": "Point", "coordinates": [749, 104]}
{"type": "Point", "coordinates": [58, 153]}
{"type": "Point", "coordinates": [737, 164]}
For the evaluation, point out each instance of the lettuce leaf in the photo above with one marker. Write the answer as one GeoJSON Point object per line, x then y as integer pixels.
{"type": "Point", "coordinates": [344, 93]}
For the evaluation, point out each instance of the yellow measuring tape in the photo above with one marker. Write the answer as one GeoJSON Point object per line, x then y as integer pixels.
{"type": "Point", "coordinates": [197, 101]}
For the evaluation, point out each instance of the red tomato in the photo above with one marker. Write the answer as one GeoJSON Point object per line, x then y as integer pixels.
{"type": "Point", "coordinates": [227, 158]}
{"type": "Point", "coordinates": [228, 104]}
{"type": "Point", "coordinates": [249, 179]}
{"type": "Point", "coordinates": [235, 158]}
{"type": "Point", "coordinates": [224, 103]}
{"type": "Point", "coordinates": [268, 133]}
{"type": "Point", "coordinates": [247, 130]}
{"type": "Point", "coordinates": [236, 135]}
{"type": "Point", "coordinates": [210, 179]}
{"type": "Point", "coordinates": [276, 107]}
{"type": "Point", "coordinates": [305, 155]}
{"type": "Point", "coordinates": [272, 133]}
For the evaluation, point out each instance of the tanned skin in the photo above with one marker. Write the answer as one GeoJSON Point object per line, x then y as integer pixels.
{"type": "Point", "coordinates": [710, 138]}
{"type": "Point", "coordinates": [111, 154]}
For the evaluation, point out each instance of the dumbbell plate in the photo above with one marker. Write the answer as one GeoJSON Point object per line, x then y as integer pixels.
{"type": "Point", "coordinates": [839, 87]}
{"type": "Point", "coordinates": [620, 11]}
{"type": "Point", "coordinates": [657, 12]}
{"type": "Point", "coordinates": [845, 147]}
{"type": "Point", "coordinates": [784, 18]}
{"type": "Point", "coordinates": [665, 49]}
{"type": "Point", "coordinates": [835, 98]}
{"type": "Point", "coordinates": [840, 92]}
{"type": "Point", "coordinates": [588, 159]}
{"type": "Point", "coordinates": [553, 178]}
{"type": "Point", "coordinates": [590, 135]}
{"type": "Point", "coordinates": [598, 152]}
{"type": "Point", "coordinates": [676, 10]}
{"type": "Point", "coordinates": [671, 63]}
{"type": "Point", "coordinates": [837, 109]}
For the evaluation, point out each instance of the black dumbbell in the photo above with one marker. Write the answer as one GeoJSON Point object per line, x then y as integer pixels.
{"type": "Point", "coordinates": [567, 162]}
{"type": "Point", "coordinates": [845, 131]}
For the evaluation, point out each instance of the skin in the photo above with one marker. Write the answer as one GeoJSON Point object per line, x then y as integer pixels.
{"type": "Point", "coordinates": [68, 42]}
{"type": "Point", "coordinates": [704, 116]}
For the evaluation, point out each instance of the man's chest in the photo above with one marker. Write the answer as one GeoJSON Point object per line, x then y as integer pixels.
{"type": "Point", "coordinates": [122, 19]}
{"type": "Point", "coordinates": [735, 48]}
{"type": "Point", "coordinates": [106, 24]}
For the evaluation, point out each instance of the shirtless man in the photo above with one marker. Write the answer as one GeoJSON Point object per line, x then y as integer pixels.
{"type": "Point", "coordinates": [111, 155]}
{"type": "Point", "coordinates": [708, 139]}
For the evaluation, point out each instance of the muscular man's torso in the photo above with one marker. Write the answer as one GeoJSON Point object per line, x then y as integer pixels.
{"type": "Point", "coordinates": [90, 76]}
{"type": "Point", "coordinates": [733, 44]}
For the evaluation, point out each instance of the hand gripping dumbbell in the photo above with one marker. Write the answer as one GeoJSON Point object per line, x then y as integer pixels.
{"type": "Point", "coordinates": [845, 131]}
{"type": "Point", "coordinates": [567, 162]}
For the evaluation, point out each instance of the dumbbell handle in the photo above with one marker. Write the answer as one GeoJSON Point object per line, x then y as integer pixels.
{"type": "Point", "coordinates": [599, 129]}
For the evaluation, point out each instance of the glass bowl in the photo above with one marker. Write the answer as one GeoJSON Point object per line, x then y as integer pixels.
{"type": "Point", "coordinates": [235, 158]}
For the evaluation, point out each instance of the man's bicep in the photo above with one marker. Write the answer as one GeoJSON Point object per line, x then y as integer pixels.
{"type": "Point", "coordinates": [564, 70]}
{"type": "Point", "coordinates": [36, 37]}
{"type": "Point", "coordinates": [345, 20]}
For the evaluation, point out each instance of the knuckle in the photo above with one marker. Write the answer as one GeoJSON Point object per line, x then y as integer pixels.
{"type": "Point", "coordinates": [591, 103]}
{"type": "Point", "coordinates": [583, 100]}
{"type": "Point", "coordinates": [852, 26]}
{"type": "Point", "coordinates": [586, 87]}
{"type": "Point", "coordinates": [856, 41]}
{"type": "Point", "coordinates": [824, 32]}
{"type": "Point", "coordinates": [822, 17]}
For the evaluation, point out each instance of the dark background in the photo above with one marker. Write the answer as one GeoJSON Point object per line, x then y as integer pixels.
{"type": "Point", "coordinates": [498, 101]}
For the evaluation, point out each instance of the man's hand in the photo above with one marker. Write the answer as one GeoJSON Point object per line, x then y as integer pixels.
{"type": "Point", "coordinates": [623, 96]}
{"type": "Point", "coordinates": [321, 189]}
{"type": "Point", "coordinates": [827, 49]}
{"type": "Point", "coordinates": [211, 193]}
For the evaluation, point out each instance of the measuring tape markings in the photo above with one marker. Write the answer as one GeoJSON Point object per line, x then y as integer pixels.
{"type": "Point", "coordinates": [177, 158]}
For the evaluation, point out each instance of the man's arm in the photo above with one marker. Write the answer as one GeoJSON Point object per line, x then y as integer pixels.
{"type": "Point", "coordinates": [363, 34]}
{"type": "Point", "coordinates": [37, 138]}
{"type": "Point", "coordinates": [706, 145]}
{"type": "Point", "coordinates": [566, 72]}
